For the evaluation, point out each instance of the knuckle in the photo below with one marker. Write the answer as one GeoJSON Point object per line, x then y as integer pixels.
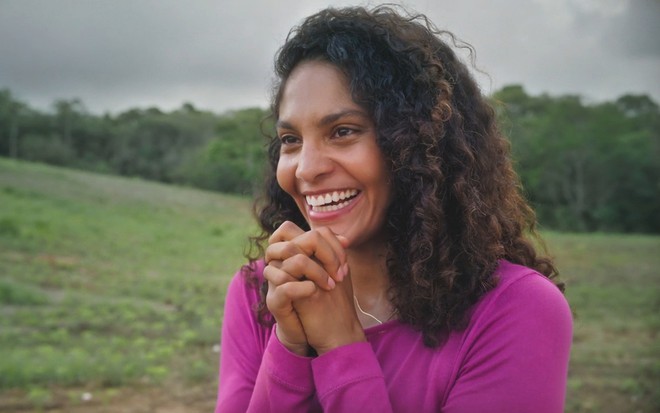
{"type": "Point", "coordinates": [286, 226]}
{"type": "Point", "coordinates": [273, 275]}
{"type": "Point", "coordinates": [283, 228]}
{"type": "Point", "coordinates": [270, 253]}
{"type": "Point", "coordinates": [290, 249]}
{"type": "Point", "coordinates": [296, 265]}
{"type": "Point", "coordinates": [268, 272]}
{"type": "Point", "coordinates": [271, 238]}
{"type": "Point", "coordinates": [274, 236]}
{"type": "Point", "coordinates": [286, 290]}
{"type": "Point", "coordinates": [299, 260]}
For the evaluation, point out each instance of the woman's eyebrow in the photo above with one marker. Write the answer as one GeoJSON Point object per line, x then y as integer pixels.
{"type": "Point", "coordinates": [282, 124]}
{"type": "Point", "coordinates": [333, 117]}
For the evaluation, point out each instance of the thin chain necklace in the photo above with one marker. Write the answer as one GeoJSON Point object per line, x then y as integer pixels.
{"type": "Point", "coordinates": [357, 304]}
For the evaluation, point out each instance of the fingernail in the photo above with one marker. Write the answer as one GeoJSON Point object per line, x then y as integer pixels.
{"type": "Point", "coordinates": [343, 271]}
{"type": "Point", "coordinates": [331, 283]}
{"type": "Point", "coordinates": [340, 274]}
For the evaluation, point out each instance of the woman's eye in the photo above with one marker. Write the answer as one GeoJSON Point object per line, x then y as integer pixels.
{"type": "Point", "coordinates": [288, 139]}
{"type": "Point", "coordinates": [344, 131]}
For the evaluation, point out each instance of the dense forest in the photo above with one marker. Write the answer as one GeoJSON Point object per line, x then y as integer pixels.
{"type": "Point", "coordinates": [584, 166]}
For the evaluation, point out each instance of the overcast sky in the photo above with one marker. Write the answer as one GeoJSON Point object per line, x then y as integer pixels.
{"type": "Point", "coordinates": [217, 54]}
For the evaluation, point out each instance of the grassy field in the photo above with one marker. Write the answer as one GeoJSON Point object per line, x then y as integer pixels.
{"type": "Point", "coordinates": [111, 294]}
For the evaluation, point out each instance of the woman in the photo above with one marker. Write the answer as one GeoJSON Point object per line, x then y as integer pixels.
{"type": "Point", "coordinates": [397, 269]}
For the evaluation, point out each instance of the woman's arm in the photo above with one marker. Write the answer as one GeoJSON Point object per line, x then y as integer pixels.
{"type": "Point", "coordinates": [284, 382]}
{"type": "Point", "coordinates": [350, 379]}
{"type": "Point", "coordinates": [515, 356]}
{"type": "Point", "coordinates": [256, 372]}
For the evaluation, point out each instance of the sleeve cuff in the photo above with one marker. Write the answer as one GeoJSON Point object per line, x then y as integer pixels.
{"type": "Point", "coordinates": [287, 368]}
{"type": "Point", "coordinates": [343, 366]}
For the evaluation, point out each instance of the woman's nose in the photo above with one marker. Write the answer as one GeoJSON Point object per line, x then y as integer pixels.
{"type": "Point", "coordinates": [313, 162]}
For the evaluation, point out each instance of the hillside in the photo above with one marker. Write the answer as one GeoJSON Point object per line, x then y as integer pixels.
{"type": "Point", "coordinates": [112, 289]}
{"type": "Point", "coordinates": [108, 282]}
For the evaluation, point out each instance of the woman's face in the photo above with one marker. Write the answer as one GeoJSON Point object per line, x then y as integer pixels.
{"type": "Point", "coordinates": [329, 161]}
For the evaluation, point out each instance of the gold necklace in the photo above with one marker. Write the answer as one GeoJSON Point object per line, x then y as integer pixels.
{"type": "Point", "coordinates": [357, 304]}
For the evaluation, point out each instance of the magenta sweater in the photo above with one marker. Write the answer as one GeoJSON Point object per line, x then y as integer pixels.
{"type": "Point", "coordinates": [512, 357]}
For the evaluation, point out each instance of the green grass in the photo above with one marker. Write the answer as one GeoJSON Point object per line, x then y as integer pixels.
{"type": "Point", "coordinates": [613, 286]}
{"type": "Point", "coordinates": [109, 283]}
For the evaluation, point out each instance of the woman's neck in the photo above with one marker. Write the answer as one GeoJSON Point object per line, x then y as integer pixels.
{"type": "Point", "coordinates": [368, 269]}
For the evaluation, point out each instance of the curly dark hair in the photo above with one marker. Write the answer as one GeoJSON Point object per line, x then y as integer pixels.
{"type": "Point", "coordinates": [458, 207]}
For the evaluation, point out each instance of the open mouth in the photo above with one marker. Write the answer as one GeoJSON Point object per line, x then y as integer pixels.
{"type": "Point", "coordinates": [332, 201]}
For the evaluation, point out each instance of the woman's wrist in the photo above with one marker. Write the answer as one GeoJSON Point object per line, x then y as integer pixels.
{"type": "Point", "coordinates": [357, 336]}
{"type": "Point", "coordinates": [299, 349]}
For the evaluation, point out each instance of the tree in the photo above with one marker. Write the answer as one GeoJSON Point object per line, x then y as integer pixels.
{"type": "Point", "coordinates": [585, 167]}
{"type": "Point", "coordinates": [234, 160]}
{"type": "Point", "coordinates": [11, 112]}
{"type": "Point", "coordinates": [67, 113]}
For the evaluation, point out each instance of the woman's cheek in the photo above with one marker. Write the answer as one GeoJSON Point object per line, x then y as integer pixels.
{"type": "Point", "coordinates": [285, 175]}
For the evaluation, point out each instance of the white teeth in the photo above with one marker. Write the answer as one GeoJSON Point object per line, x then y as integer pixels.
{"type": "Point", "coordinates": [329, 208]}
{"type": "Point", "coordinates": [319, 202]}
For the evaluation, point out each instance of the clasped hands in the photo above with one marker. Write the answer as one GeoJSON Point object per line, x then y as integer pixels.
{"type": "Point", "coordinates": [309, 289]}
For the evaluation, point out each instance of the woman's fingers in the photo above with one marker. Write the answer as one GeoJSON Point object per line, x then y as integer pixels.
{"type": "Point", "coordinates": [320, 245]}
{"type": "Point", "coordinates": [282, 296]}
{"type": "Point", "coordinates": [285, 232]}
{"type": "Point", "coordinates": [283, 289]}
{"type": "Point", "coordinates": [338, 259]}
{"type": "Point", "coordinates": [345, 243]}
{"type": "Point", "coordinates": [274, 274]}
{"type": "Point", "coordinates": [279, 301]}
{"type": "Point", "coordinates": [301, 264]}
{"type": "Point", "coordinates": [297, 268]}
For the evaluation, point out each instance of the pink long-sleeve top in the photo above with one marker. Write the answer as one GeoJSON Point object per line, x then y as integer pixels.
{"type": "Point", "coordinates": [512, 358]}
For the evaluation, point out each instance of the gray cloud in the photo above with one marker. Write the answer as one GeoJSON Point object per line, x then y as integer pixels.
{"type": "Point", "coordinates": [218, 54]}
{"type": "Point", "coordinates": [635, 33]}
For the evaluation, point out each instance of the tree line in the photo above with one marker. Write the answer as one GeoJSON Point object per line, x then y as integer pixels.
{"type": "Point", "coordinates": [185, 146]}
{"type": "Point", "coordinates": [584, 167]}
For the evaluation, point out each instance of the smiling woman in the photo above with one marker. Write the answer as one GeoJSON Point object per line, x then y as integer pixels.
{"type": "Point", "coordinates": [329, 150]}
{"type": "Point", "coordinates": [394, 271]}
